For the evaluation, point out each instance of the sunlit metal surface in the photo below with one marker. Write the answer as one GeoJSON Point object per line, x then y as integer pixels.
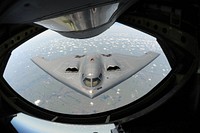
{"type": "Point", "coordinates": [82, 20]}
{"type": "Point", "coordinates": [26, 78]}
{"type": "Point", "coordinates": [93, 66]}
{"type": "Point", "coordinates": [28, 124]}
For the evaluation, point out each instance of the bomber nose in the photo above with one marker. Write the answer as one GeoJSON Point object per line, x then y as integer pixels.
{"type": "Point", "coordinates": [91, 93]}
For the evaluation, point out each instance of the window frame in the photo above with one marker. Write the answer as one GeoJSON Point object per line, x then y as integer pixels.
{"type": "Point", "coordinates": [159, 95]}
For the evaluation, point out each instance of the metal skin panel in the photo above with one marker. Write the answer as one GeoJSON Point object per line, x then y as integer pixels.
{"type": "Point", "coordinates": [94, 74]}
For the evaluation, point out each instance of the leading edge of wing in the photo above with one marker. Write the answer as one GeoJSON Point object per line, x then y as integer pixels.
{"type": "Point", "coordinates": [52, 68]}
{"type": "Point", "coordinates": [129, 65]}
{"type": "Point", "coordinates": [42, 63]}
{"type": "Point", "coordinates": [71, 80]}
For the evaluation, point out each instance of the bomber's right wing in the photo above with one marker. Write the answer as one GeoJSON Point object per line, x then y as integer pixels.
{"type": "Point", "coordinates": [64, 69]}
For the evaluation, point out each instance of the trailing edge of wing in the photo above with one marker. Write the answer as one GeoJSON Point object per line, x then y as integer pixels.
{"type": "Point", "coordinates": [122, 67]}
{"type": "Point", "coordinates": [129, 66]}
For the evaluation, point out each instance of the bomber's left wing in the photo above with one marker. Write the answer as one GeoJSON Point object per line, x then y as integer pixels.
{"type": "Point", "coordinates": [119, 67]}
{"type": "Point", "coordinates": [116, 69]}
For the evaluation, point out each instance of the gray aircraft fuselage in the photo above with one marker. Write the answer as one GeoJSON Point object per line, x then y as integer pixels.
{"type": "Point", "coordinates": [93, 74]}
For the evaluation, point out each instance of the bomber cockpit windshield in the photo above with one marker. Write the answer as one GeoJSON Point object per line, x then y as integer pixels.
{"type": "Point", "coordinates": [91, 82]}
{"type": "Point", "coordinates": [48, 93]}
{"type": "Point", "coordinates": [95, 82]}
{"type": "Point", "coordinates": [87, 82]}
